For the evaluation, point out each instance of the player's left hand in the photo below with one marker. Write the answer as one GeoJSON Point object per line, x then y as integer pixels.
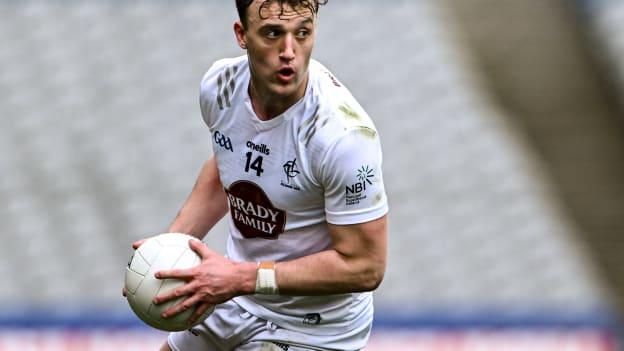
{"type": "Point", "coordinates": [212, 282]}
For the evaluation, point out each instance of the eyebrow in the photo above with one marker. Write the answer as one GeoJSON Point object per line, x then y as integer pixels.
{"type": "Point", "coordinates": [307, 20]}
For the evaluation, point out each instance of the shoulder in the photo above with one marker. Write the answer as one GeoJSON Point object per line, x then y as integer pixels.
{"type": "Point", "coordinates": [336, 128]}
{"type": "Point", "coordinates": [338, 113]}
{"type": "Point", "coordinates": [221, 72]}
{"type": "Point", "coordinates": [220, 86]}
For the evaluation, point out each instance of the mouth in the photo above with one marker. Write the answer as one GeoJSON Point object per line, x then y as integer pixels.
{"type": "Point", "coordinates": [286, 74]}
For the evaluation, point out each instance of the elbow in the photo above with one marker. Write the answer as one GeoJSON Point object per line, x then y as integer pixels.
{"type": "Point", "coordinates": [372, 278]}
{"type": "Point", "coordinates": [373, 283]}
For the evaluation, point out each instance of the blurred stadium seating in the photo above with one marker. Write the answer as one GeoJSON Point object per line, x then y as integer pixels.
{"type": "Point", "coordinates": [101, 140]}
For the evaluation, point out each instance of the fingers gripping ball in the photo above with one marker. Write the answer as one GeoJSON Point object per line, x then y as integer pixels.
{"type": "Point", "coordinates": [162, 252]}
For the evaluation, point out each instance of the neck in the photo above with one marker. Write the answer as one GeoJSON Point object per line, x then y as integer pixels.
{"type": "Point", "coordinates": [267, 105]}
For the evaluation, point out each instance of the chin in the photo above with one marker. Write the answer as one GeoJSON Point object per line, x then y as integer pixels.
{"type": "Point", "coordinates": [285, 90]}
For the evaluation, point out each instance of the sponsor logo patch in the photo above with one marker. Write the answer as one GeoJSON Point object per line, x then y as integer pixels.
{"type": "Point", "coordinates": [253, 212]}
{"type": "Point", "coordinates": [261, 148]}
{"type": "Point", "coordinates": [355, 192]}
{"type": "Point", "coordinates": [223, 141]}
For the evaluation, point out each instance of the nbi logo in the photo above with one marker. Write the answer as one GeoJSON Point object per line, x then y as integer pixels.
{"type": "Point", "coordinates": [356, 188]}
{"type": "Point", "coordinates": [354, 192]}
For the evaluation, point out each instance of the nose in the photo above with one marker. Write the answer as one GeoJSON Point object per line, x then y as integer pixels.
{"type": "Point", "coordinates": [288, 50]}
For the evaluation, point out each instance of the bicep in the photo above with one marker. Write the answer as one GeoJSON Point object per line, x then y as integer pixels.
{"type": "Point", "coordinates": [209, 185]}
{"type": "Point", "coordinates": [355, 201]}
{"type": "Point", "coordinates": [363, 241]}
{"type": "Point", "coordinates": [205, 205]}
{"type": "Point", "coordinates": [209, 175]}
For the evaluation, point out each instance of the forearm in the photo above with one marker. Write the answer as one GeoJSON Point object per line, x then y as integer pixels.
{"type": "Point", "coordinates": [323, 273]}
{"type": "Point", "coordinates": [328, 272]}
{"type": "Point", "coordinates": [205, 206]}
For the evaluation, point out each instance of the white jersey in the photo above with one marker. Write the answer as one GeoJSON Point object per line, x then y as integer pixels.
{"type": "Point", "coordinates": [319, 162]}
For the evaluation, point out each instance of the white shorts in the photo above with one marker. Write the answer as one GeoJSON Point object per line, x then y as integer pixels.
{"type": "Point", "coordinates": [230, 327]}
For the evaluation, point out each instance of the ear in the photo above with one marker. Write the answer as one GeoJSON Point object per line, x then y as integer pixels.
{"type": "Point", "coordinates": [240, 33]}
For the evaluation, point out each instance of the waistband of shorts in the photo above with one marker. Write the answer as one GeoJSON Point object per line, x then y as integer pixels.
{"type": "Point", "coordinates": [295, 323]}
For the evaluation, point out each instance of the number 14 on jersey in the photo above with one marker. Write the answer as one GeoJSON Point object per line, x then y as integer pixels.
{"type": "Point", "coordinates": [255, 165]}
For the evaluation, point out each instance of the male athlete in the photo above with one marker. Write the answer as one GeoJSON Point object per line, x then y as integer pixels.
{"type": "Point", "coordinates": [297, 164]}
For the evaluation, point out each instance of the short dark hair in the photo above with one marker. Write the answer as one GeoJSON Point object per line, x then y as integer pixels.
{"type": "Point", "coordinates": [242, 5]}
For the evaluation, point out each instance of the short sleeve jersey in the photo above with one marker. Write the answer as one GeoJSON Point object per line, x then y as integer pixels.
{"type": "Point", "coordinates": [285, 178]}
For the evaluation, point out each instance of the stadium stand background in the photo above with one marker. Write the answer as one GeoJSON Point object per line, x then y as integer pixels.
{"type": "Point", "coordinates": [101, 140]}
{"type": "Point", "coordinates": [542, 64]}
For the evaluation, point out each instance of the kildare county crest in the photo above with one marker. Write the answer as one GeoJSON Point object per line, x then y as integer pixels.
{"type": "Point", "coordinates": [291, 170]}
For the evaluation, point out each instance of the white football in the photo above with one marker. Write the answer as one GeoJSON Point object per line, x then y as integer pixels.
{"type": "Point", "coordinates": [164, 251]}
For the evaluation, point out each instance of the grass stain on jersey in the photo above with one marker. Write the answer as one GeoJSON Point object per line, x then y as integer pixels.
{"type": "Point", "coordinates": [360, 122]}
{"type": "Point", "coordinates": [350, 113]}
{"type": "Point", "coordinates": [378, 198]}
{"type": "Point", "coordinates": [367, 132]}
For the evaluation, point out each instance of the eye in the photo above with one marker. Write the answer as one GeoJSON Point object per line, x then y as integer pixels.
{"type": "Point", "coordinates": [272, 33]}
{"type": "Point", "coordinates": [303, 33]}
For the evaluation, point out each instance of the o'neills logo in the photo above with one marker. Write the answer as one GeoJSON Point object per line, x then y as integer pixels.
{"type": "Point", "coordinates": [253, 213]}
